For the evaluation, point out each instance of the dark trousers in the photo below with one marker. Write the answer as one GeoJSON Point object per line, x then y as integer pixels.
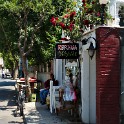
{"type": "Point", "coordinates": [43, 94]}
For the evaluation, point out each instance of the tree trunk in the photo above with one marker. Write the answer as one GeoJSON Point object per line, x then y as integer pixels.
{"type": "Point", "coordinates": [26, 76]}
{"type": "Point", "coordinates": [15, 72]}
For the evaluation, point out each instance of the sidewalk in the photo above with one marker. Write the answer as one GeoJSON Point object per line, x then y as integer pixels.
{"type": "Point", "coordinates": [35, 113]}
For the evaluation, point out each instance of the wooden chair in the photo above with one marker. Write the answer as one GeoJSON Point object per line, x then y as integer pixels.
{"type": "Point", "coordinates": [53, 96]}
{"type": "Point", "coordinates": [57, 102]}
{"type": "Point", "coordinates": [65, 105]}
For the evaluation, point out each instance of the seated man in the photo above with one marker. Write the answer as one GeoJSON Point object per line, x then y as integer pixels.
{"type": "Point", "coordinates": [44, 92]}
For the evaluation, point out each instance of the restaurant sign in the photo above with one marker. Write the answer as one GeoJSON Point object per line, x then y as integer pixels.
{"type": "Point", "coordinates": [67, 51]}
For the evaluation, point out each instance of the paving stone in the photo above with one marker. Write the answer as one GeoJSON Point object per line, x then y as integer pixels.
{"type": "Point", "coordinates": [35, 113]}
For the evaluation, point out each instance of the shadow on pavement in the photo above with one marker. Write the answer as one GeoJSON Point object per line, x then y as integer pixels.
{"type": "Point", "coordinates": [15, 122]}
{"type": "Point", "coordinates": [64, 117]}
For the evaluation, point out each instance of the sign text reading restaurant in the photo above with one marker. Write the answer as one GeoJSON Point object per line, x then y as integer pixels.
{"type": "Point", "coordinates": [67, 51]}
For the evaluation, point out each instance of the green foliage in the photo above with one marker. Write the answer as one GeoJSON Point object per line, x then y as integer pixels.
{"type": "Point", "coordinates": [77, 16]}
{"type": "Point", "coordinates": [25, 25]}
{"type": "Point", "coordinates": [10, 61]}
{"type": "Point", "coordinates": [8, 36]}
{"type": "Point", "coordinates": [0, 54]}
{"type": "Point", "coordinates": [41, 53]}
{"type": "Point", "coordinates": [18, 19]}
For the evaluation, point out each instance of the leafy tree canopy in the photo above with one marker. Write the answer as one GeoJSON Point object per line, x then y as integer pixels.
{"type": "Point", "coordinates": [24, 19]}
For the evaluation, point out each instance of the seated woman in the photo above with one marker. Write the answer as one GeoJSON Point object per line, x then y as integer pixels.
{"type": "Point", "coordinates": [44, 92]}
{"type": "Point", "coordinates": [69, 92]}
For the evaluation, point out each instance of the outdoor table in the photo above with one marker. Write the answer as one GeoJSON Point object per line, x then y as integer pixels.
{"type": "Point", "coordinates": [19, 82]}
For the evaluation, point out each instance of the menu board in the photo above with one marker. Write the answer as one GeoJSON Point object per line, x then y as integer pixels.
{"type": "Point", "coordinates": [67, 51]}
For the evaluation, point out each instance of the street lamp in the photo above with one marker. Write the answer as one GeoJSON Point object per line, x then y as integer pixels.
{"type": "Point", "coordinates": [91, 49]}
{"type": "Point", "coordinates": [103, 4]}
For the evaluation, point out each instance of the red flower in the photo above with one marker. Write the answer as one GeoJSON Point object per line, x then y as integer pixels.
{"type": "Point", "coordinates": [64, 39]}
{"type": "Point", "coordinates": [62, 25]}
{"type": "Point", "coordinates": [56, 18]}
{"type": "Point", "coordinates": [86, 9]}
{"type": "Point", "coordinates": [70, 29]}
{"type": "Point", "coordinates": [71, 25]}
{"type": "Point", "coordinates": [53, 20]}
{"type": "Point", "coordinates": [73, 14]}
{"type": "Point", "coordinates": [83, 1]}
{"type": "Point", "coordinates": [93, 2]}
{"type": "Point", "coordinates": [86, 22]}
{"type": "Point", "coordinates": [98, 14]}
{"type": "Point", "coordinates": [66, 16]}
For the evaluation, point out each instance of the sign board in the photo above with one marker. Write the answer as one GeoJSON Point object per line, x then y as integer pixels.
{"type": "Point", "coordinates": [67, 51]}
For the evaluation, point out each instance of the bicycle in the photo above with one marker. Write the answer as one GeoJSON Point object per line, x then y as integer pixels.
{"type": "Point", "coordinates": [21, 99]}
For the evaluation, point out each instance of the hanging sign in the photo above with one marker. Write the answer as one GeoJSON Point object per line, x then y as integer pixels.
{"type": "Point", "coordinates": [67, 51]}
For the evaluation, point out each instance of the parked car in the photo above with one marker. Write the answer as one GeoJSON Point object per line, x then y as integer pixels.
{"type": "Point", "coordinates": [8, 75]}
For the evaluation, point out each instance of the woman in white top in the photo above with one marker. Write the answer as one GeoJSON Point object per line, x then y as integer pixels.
{"type": "Point", "coordinates": [69, 93]}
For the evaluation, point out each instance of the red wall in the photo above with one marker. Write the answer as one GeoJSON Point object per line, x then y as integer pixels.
{"type": "Point", "coordinates": [108, 76]}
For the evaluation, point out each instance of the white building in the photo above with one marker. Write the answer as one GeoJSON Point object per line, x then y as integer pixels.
{"type": "Point", "coordinates": [88, 67]}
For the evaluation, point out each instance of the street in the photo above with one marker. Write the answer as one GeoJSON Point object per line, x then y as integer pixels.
{"type": "Point", "coordinates": [7, 103]}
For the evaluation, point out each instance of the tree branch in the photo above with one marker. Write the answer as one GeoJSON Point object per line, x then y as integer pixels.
{"type": "Point", "coordinates": [32, 36]}
{"type": "Point", "coordinates": [25, 27]}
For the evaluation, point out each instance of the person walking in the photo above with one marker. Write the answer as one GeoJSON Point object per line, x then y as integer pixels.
{"type": "Point", "coordinates": [3, 74]}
